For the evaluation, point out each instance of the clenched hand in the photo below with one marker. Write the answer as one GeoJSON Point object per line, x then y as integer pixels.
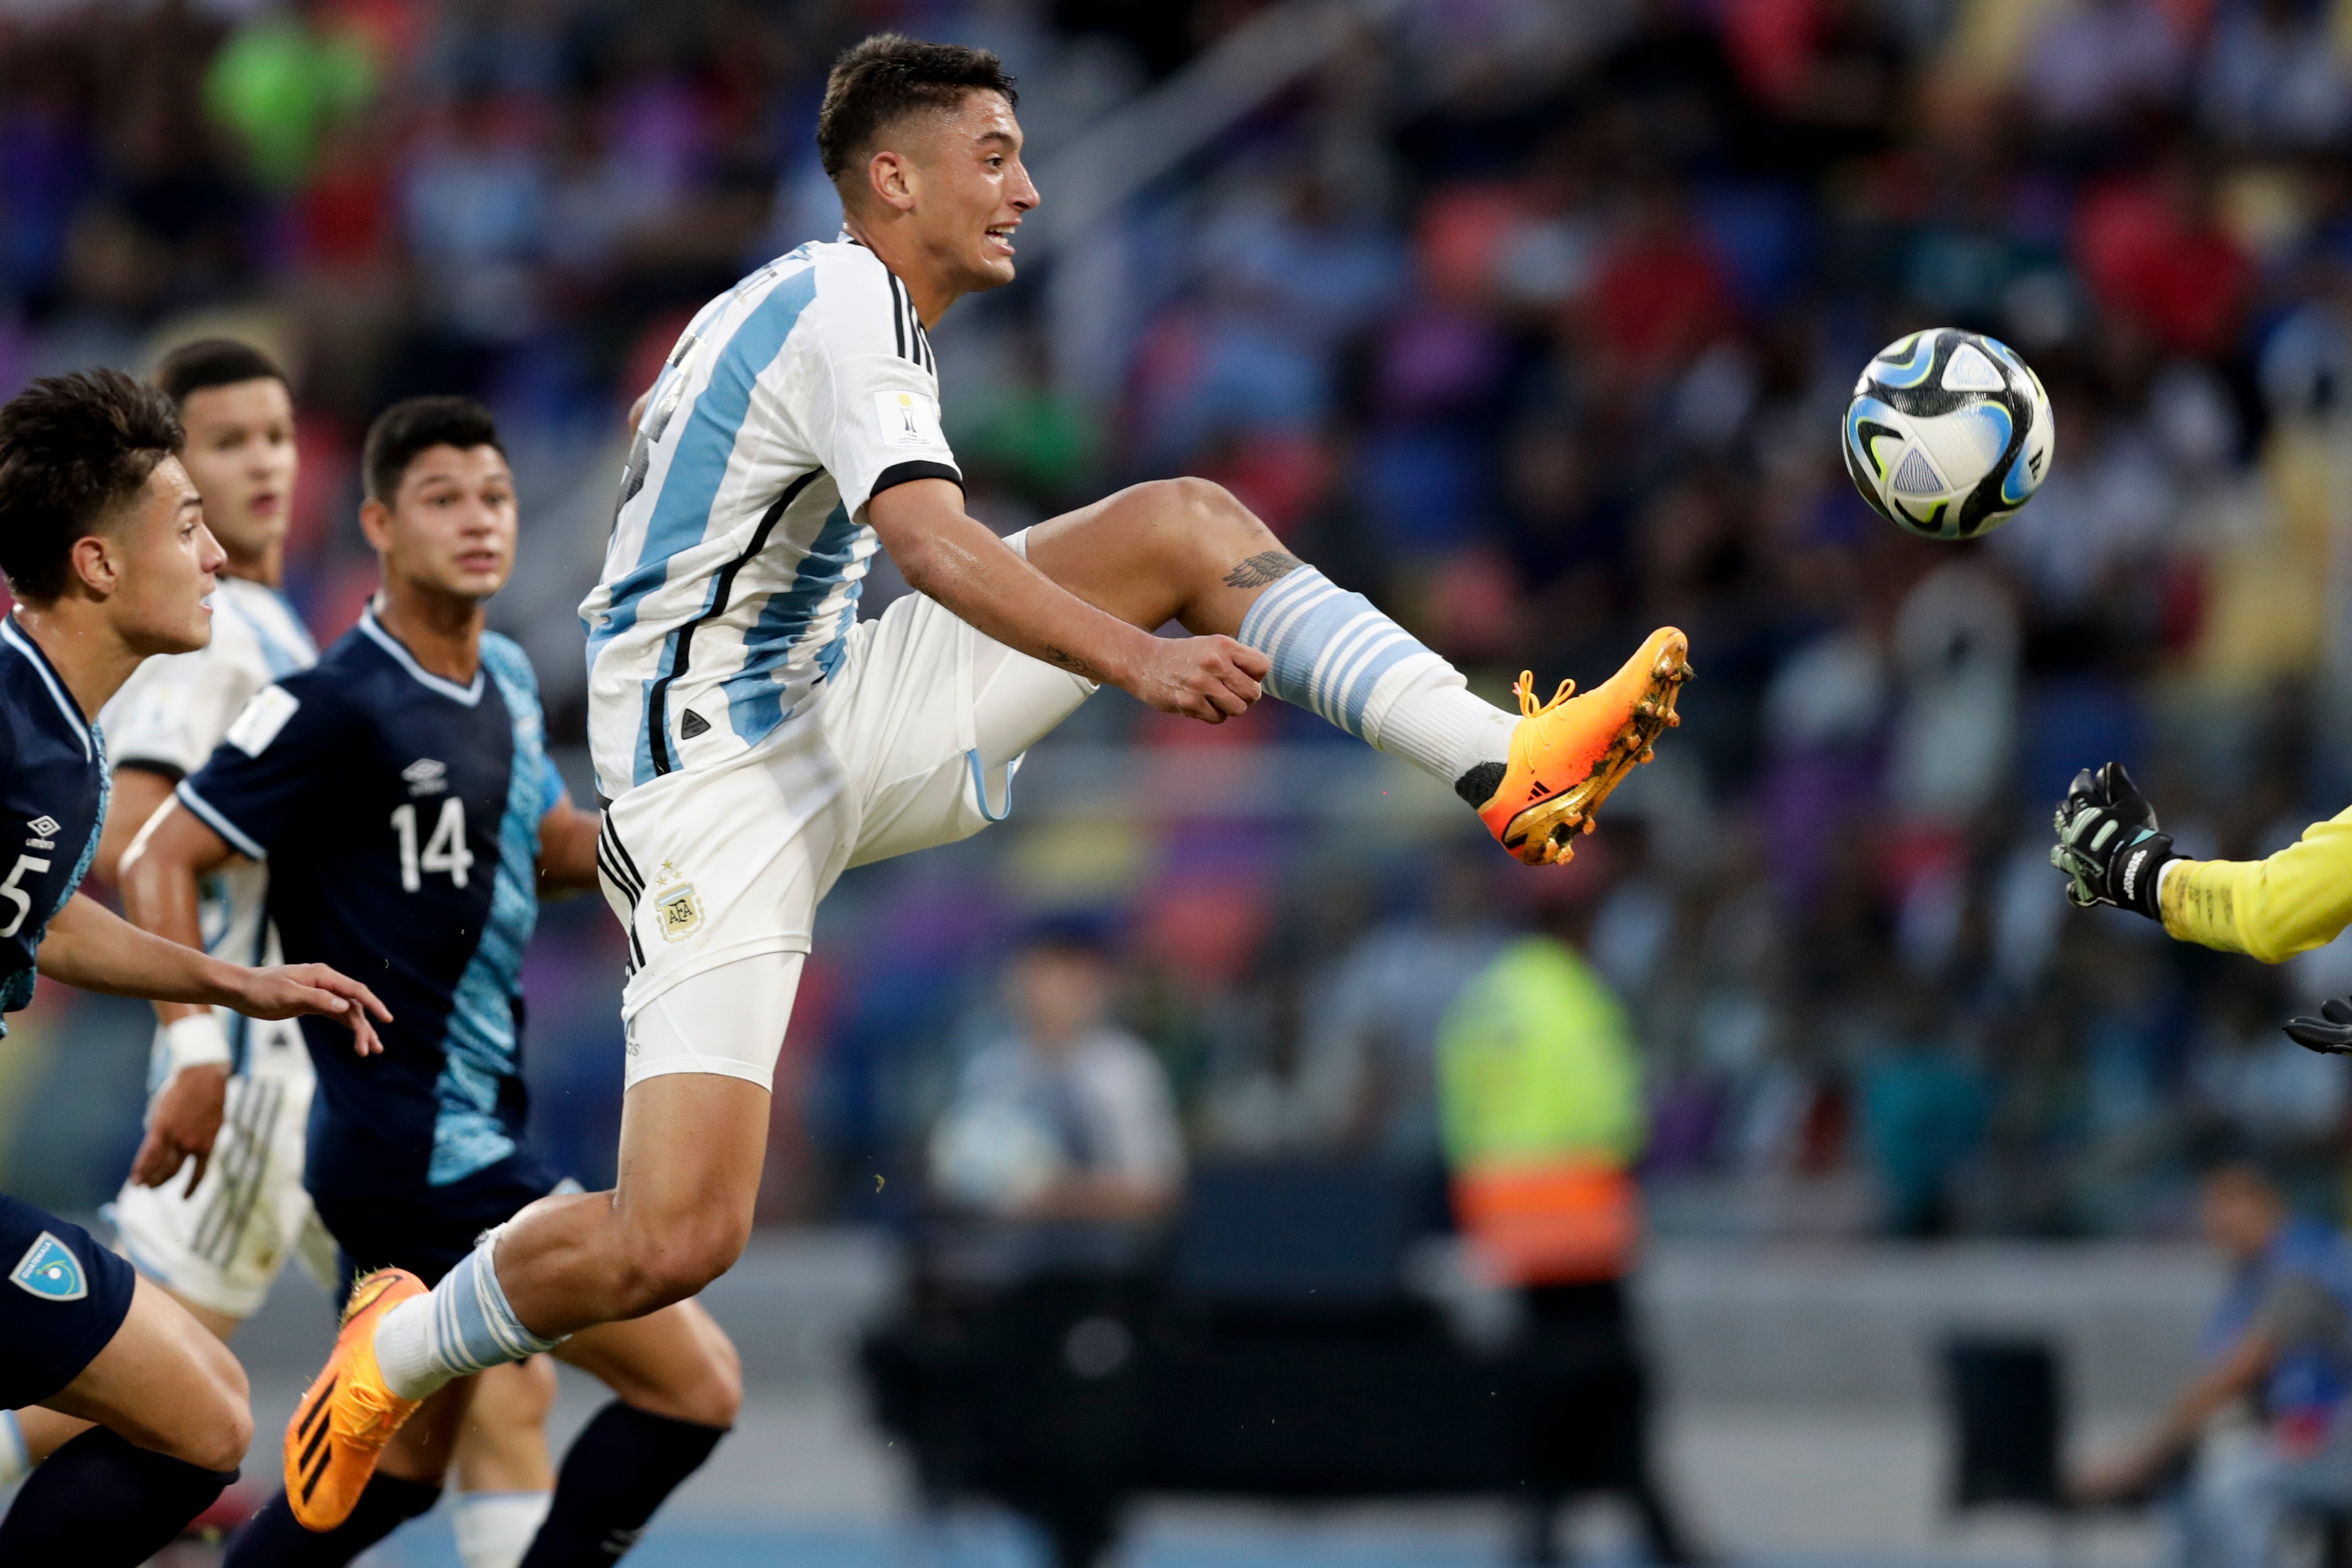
{"type": "Point", "coordinates": [1211, 679]}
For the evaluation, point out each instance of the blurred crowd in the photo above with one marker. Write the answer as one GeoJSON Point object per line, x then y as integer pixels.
{"type": "Point", "coordinates": [1534, 321]}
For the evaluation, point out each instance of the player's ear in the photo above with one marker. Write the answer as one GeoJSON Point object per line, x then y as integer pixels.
{"type": "Point", "coordinates": [892, 179]}
{"type": "Point", "coordinates": [376, 524]}
{"type": "Point", "coordinates": [93, 563]}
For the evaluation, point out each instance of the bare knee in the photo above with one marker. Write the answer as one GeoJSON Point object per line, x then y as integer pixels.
{"type": "Point", "coordinates": [1209, 511]}
{"type": "Point", "coordinates": [216, 1435]}
{"type": "Point", "coordinates": [662, 1270]}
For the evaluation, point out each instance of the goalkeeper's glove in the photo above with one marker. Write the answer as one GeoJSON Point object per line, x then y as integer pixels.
{"type": "Point", "coordinates": [2108, 845]}
{"type": "Point", "coordinates": [2330, 1034]}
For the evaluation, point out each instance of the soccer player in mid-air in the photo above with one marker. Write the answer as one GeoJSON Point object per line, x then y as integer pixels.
{"type": "Point", "coordinates": [103, 542]}
{"type": "Point", "coordinates": [753, 739]}
{"type": "Point", "coordinates": [232, 1099]}
{"type": "Point", "coordinates": [402, 798]}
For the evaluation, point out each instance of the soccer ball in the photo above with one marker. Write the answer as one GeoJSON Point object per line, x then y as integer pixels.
{"type": "Point", "coordinates": [1949, 433]}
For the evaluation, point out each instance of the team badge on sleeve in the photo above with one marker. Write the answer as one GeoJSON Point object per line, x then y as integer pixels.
{"type": "Point", "coordinates": [908, 418]}
{"type": "Point", "coordinates": [50, 1271]}
{"type": "Point", "coordinates": [261, 720]}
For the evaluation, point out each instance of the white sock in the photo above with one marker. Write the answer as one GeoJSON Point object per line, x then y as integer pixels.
{"type": "Point", "coordinates": [462, 1326]}
{"type": "Point", "coordinates": [495, 1529]}
{"type": "Point", "coordinates": [16, 1459]}
{"type": "Point", "coordinates": [1336, 655]}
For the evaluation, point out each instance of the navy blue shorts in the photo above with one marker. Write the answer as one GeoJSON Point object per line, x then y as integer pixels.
{"type": "Point", "coordinates": [64, 1298]}
{"type": "Point", "coordinates": [427, 1232]}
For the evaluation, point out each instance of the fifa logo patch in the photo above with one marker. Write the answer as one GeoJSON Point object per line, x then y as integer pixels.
{"type": "Point", "coordinates": [677, 912]}
{"type": "Point", "coordinates": [49, 1269]}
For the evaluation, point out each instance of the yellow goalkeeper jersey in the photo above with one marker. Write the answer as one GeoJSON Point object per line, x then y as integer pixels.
{"type": "Point", "coordinates": [2297, 900]}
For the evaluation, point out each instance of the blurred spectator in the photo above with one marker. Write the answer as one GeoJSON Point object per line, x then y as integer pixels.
{"type": "Point", "coordinates": [2261, 1428]}
{"type": "Point", "coordinates": [1069, 1118]}
{"type": "Point", "coordinates": [1541, 1086]}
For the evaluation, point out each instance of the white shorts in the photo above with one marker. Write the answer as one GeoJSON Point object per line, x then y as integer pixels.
{"type": "Point", "coordinates": [221, 1246]}
{"type": "Point", "coordinates": [911, 742]}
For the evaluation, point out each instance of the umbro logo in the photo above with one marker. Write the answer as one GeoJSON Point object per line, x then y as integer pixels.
{"type": "Point", "coordinates": [44, 827]}
{"type": "Point", "coordinates": [426, 775]}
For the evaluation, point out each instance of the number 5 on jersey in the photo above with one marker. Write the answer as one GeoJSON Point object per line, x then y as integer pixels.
{"type": "Point", "coordinates": [445, 851]}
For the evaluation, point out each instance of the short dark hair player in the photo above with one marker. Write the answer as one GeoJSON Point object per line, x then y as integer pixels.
{"type": "Point", "coordinates": [103, 542]}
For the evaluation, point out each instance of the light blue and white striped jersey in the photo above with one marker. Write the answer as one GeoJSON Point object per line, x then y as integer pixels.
{"type": "Point", "coordinates": [739, 545]}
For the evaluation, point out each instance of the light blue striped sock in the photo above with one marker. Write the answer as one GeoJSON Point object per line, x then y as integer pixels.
{"type": "Point", "coordinates": [1335, 654]}
{"type": "Point", "coordinates": [462, 1326]}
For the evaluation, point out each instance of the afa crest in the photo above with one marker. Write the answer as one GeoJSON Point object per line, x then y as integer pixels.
{"type": "Point", "coordinates": [677, 913]}
{"type": "Point", "coordinates": [49, 1269]}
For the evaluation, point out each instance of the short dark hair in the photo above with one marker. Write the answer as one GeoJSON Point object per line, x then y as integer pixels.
{"type": "Point", "coordinates": [416, 425]}
{"type": "Point", "coordinates": [72, 448]}
{"type": "Point", "coordinates": [213, 362]}
{"type": "Point", "coordinates": [876, 84]}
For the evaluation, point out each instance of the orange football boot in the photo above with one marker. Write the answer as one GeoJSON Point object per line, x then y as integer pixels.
{"type": "Point", "coordinates": [346, 1416]}
{"type": "Point", "coordinates": [1567, 755]}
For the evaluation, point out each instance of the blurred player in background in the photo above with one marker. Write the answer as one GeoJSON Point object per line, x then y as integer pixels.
{"type": "Point", "coordinates": [231, 1097]}
{"type": "Point", "coordinates": [103, 540]}
{"type": "Point", "coordinates": [2262, 1416]}
{"type": "Point", "coordinates": [754, 739]}
{"type": "Point", "coordinates": [402, 793]}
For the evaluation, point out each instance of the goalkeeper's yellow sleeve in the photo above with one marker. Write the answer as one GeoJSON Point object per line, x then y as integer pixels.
{"type": "Point", "coordinates": [2295, 901]}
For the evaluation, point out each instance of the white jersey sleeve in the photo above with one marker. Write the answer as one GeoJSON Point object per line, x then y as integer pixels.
{"type": "Point", "coordinates": [873, 421]}
{"type": "Point", "coordinates": [171, 713]}
{"type": "Point", "coordinates": [174, 708]}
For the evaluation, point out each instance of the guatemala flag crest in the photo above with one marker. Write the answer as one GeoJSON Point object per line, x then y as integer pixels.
{"type": "Point", "coordinates": [50, 1271]}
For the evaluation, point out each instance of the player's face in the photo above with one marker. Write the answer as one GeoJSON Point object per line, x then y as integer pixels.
{"type": "Point", "coordinates": [161, 559]}
{"type": "Point", "coordinates": [451, 528]}
{"type": "Point", "coordinates": [971, 192]}
{"type": "Point", "coordinates": [240, 454]}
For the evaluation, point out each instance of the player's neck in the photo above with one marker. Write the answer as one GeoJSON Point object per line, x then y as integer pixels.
{"type": "Point", "coordinates": [89, 655]}
{"type": "Point", "coordinates": [930, 297]}
{"type": "Point", "coordinates": [441, 634]}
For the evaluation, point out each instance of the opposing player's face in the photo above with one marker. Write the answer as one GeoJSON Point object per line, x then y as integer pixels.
{"type": "Point", "coordinates": [158, 558]}
{"type": "Point", "coordinates": [971, 192]}
{"type": "Point", "coordinates": [240, 454]}
{"type": "Point", "coordinates": [451, 528]}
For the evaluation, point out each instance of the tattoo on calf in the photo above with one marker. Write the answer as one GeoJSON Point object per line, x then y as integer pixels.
{"type": "Point", "coordinates": [1262, 568]}
{"type": "Point", "coordinates": [1074, 664]}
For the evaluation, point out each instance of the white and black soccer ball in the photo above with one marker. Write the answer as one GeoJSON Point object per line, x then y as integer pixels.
{"type": "Point", "coordinates": [1949, 433]}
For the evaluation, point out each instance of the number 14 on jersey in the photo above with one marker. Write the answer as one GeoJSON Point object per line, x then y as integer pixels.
{"type": "Point", "coordinates": [445, 851]}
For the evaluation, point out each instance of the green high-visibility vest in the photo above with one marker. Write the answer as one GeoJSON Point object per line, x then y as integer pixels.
{"type": "Point", "coordinates": [1536, 1059]}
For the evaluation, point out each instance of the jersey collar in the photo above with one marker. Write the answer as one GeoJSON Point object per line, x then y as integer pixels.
{"type": "Point", "coordinates": [468, 695]}
{"type": "Point", "coordinates": [15, 638]}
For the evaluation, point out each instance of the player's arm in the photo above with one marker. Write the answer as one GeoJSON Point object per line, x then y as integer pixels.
{"type": "Point", "coordinates": [2112, 849]}
{"type": "Point", "coordinates": [952, 557]}
{"type": "Point", "coordinates": [161, 872]}
{"type": "Point", "coordinates": [91, 948]}
{"type": "Point", "coordinates": [567, 849]}
{"type": "Point", "coordinates": [138, 792]}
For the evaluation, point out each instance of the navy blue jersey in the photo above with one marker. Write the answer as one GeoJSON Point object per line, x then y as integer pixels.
{"type": "Point", "coordinates": [399, 812]}
{"type": "Point", "coordinates": [53, 790]}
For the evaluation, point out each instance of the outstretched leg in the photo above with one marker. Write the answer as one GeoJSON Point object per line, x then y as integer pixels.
{"type": "Point", "coordinates": [1186, 550]}
{"type": "Point", "coordinates": [170, 1404]}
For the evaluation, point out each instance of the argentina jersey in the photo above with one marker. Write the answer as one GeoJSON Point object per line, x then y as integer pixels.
{"type": "Point", "coordinates": [398, 813]}
{"type": "Point", "coordinates": [53, 792]}
{"type": "Point", "coordinates": [740, 544]}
